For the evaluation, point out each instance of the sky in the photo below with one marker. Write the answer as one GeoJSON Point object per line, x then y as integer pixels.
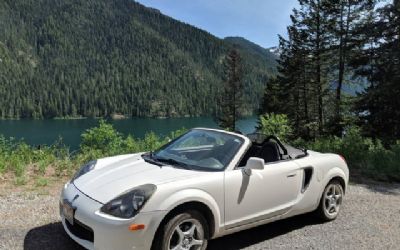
{"type": "Point", "coordinates": [259, 21]}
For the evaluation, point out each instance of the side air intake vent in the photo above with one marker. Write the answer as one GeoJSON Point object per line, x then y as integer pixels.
{"type": "Point", "coordinates": [308, 172]}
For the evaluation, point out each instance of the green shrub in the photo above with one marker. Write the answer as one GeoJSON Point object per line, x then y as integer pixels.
{"type": "Point", "coordinates": [275, 124]}
{"type": "Point", "coordinates": [66, 166]}
{"type": "Point", "coordinates": [101, 140]}
{"type": "Point", "coordinates": [365, 155]}
{"type": "Point", "coordinates": [174, 134]}
{"type": "Point", "coordinates": [130, 145]}
{"type": "Point", "coordinates": [150, 142]}
{"type": "Point", "coordinates": [104, 141]}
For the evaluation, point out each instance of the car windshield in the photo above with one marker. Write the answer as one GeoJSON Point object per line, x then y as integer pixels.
{"type": "Point", "coordinates": [200, 150]}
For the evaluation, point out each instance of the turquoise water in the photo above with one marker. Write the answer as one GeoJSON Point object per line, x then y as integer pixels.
{"type": "Point", "coordinates": [36, 132]}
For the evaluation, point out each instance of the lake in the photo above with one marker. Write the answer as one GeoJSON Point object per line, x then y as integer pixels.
{"type": "Point", "coordinates": [36, 132]}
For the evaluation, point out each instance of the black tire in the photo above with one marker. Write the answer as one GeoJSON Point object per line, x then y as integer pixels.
{"type": "Point", "coordinates": [167, 234]}
{"type": "Point", "coordinates": [331, 201]}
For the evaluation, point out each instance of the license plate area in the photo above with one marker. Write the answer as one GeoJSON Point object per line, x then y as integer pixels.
{"type": "Point", "coordinates": [68, 211]}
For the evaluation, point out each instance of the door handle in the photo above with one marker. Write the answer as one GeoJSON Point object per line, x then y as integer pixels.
{"type": "Point", "coordinates": [291, 175]}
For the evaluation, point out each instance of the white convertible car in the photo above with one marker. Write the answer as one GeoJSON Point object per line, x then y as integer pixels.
{"type": "Point", "coordinates": [205, 184]}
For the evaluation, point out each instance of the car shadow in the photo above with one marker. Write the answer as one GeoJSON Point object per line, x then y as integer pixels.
{"type": "Point", "coordinates": [262, 233]}
{"type": "Point", "coordinates": [50, 236]}
{"type": "Point", "coordinates": [53, 236]}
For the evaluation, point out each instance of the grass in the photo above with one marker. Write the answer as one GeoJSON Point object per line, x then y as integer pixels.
{"type": "Point", "coordinates": [42, 182]}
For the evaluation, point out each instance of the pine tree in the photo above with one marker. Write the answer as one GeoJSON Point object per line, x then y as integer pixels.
{"type": "Point", "coordinates": [315, 64]}
{"type": "Point", "coordinates": [379, 104]}
{"type": "Point", "coordinates": [231, 96]}
{"type": "Point", "coordinates": [345, 18]}
{"type": "Point", "coordinates": [303, 67]}
{"type": "Point", "coordinates": [271, 102]}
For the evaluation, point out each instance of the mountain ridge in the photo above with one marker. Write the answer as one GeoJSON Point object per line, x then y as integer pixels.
{"type": "Point", "coordinates": [254, 49]}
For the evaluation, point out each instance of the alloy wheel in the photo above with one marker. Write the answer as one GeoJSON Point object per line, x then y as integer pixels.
{"type": "Point", "coordinates": [333, 199]}
{"type": "Point", "coordinates": [188, 234]}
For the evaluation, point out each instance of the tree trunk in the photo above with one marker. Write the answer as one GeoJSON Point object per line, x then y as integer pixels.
{"type": "Point", "coordinates": [318, 69]}
{"type": "Point", "coordinates": [342, 60]}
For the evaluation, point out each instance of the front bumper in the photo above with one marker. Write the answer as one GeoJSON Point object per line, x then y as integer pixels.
{"type": "Point", "coordinates": [95, 230]}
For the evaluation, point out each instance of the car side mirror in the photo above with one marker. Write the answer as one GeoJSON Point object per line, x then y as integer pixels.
{"type": "Point", "coordinates": [253, 163]}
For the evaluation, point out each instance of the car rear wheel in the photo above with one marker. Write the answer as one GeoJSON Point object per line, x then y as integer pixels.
{"type": "Point", "coordinates": [331, 201]}
{"type": "Point", "coordinates": [186, 230]}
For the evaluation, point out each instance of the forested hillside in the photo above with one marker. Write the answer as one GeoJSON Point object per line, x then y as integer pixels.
{"type": "Point", "coordinates": [98, 57]}
{"type": "Point", "coordinates": [253, 50]}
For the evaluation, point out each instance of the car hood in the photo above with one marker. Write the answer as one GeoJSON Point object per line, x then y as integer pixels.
{"type": "Point", "coordinates": [115, 175]}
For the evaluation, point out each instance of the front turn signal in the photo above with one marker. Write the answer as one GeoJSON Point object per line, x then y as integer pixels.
{"type": "Point", "coordinates": [136, 227]}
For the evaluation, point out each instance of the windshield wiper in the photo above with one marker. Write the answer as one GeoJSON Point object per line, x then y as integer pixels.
{"type": "Point", "coordinates": [173, 162]}
{"type": "Point", "coordinates": [150, 159]}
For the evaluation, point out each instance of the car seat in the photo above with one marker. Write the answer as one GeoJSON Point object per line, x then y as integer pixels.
{"type": "Point", "coordinates": [269, 152]}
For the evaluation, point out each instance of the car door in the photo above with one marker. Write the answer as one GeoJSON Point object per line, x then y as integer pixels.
{"type": "Point", "coordinates": [264, 194]}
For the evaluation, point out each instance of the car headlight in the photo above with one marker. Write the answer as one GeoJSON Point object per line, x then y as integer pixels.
{"type": "Point", "coordinates": [129, 204]}
{"type": "Point", "coordinates": [84, 169]}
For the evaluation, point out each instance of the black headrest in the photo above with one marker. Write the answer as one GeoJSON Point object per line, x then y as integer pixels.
{"type": "Point", "coordinates": [270, 152]}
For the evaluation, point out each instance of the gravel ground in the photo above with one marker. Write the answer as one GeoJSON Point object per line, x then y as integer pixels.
{"type": "Point", "coordinates": [369, 219]}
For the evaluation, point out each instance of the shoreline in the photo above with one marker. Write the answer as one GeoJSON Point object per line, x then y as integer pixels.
{"type": "Point", "coordinates": [117, 117]}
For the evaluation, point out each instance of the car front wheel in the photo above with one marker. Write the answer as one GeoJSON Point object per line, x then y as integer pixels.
{"type": "Point", "coordinates": [186, 230]}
